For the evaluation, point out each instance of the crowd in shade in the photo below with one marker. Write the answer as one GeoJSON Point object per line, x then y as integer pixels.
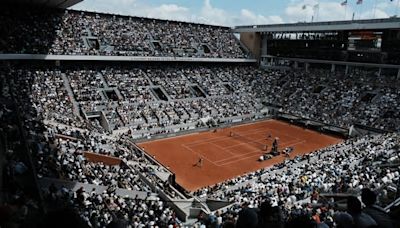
{"type": "Point", "coordinates": [52, 103]}
{"type": "Point", "coordinates": [57, 150]}
{"type": "Point", "coordinates": [108, 209]}
{"type": "Point", "coordinates": [19, 198]}
{"type": "Point", "coordinates": [88, 33]}
{"type": "Point", "coordinates": [77, 123]}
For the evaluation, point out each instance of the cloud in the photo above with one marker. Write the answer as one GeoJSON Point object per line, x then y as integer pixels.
{"type": "Point", "coordinates": [328, 10]}
{"type": "Point", "coordinates": [248, 17]}
{"type": "Point", "coordinates": [137, 8]}
{"type": "Point", "coordinates": [214, 15]}
{"type": "Point", "coordinates": [378, 13]}
{"type": "Point", "coordinates": [169, 11]}
{"type": "Point", "coordinates": [217, 16]}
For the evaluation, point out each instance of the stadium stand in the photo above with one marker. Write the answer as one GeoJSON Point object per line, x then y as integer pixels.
{"type": "Point", "coordinates": [196, 92]}
{"type": "Point", "coordinates": [57, 122]}
{"type": "Point", "coordinates": [86, 33]}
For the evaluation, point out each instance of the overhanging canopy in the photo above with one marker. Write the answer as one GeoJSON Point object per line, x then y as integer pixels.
{"type": "Point", "coordinates": [63, 4]}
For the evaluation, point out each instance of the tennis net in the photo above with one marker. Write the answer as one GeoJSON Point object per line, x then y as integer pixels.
{"type": "Point", "coordinates": [245, 139]}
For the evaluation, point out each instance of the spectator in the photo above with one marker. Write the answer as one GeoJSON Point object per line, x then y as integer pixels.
{"type": "Point", "coordinates": [361, 219]}
{"type": "Point", "coordinates": [377, 213]}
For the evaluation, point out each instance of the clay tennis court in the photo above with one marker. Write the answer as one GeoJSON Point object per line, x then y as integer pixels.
{"type": "Point", "coordinates": [225, 156]}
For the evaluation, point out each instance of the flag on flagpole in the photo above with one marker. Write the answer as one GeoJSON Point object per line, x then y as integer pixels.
{"type": "Point", "coordinates": [303, 7]}
{"type": "Point", "coordinates": [359, 2]}
{"type": "Point", "coordinates": [344, 3]}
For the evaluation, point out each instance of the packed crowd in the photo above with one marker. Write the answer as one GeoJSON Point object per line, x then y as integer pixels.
{"type": "Point", "coordinates": [58, 146]}
{"type": "Point", "coordinates": [52, 118]}
{"type": "Point", "coordinates": [110, 210]}
{"type": "Point", "coordinates": [19, 199]}
{"type": "Point", "coordinates": [51, 98]}
{"type": "Point", "coordinates": [360, 97]}
{"type": "Point", "coordinates": [133, 97]}
{"type": "Point", "coordinates": [161, 99]}
{"type": "Point", "coordinates": [296, 187]}
{"type": "Point", "coordinates": [87, 33]}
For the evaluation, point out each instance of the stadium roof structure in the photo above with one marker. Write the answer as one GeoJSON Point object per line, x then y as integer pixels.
{"type": "Point", "coordinates": [63, 4]}
{"type": "Point", "coordinates": [372, 24]}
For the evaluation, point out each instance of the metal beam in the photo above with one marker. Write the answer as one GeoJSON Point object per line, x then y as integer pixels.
{"type": "Point", "coordinates": [341, 63]}
{"type": "Point", "coordinates": [45, 3]}
{"type": "Point", "coordinates": [376, 24]}
{"type": "Point", "coordinates": [120, 58]}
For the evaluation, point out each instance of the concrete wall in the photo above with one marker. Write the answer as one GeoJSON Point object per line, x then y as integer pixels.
{"type": "Point", "coordinates": [252, 41]}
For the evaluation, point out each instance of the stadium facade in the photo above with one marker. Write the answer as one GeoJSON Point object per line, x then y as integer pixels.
{"type": "Point", "coordinates": [82, 89]}
{"type": "Point", "coordinates": [370, 43]}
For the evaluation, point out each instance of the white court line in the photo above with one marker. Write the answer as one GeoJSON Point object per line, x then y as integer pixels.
{"type": "Point", "coordinates": [229, 151]}
{"type": "Point", "coordinates": [203, 141]}
{"type": "Point", "coordinates": [303, 141]}
{"type": "Point", "coordinates": [168, 138]}
{"type": "Point", "coordinates": [247, 157]}
{"type": "Point", "coordinates": [200, 155]}
{"type": "Point", "coordinates": [222, 148]}
{"type": "Point", "coordinates": [256, 122]}
{"type": "Point", "coordinates": [278, 133]}
{"type": "Point", "coordinates": [227, 163]}
{"type": "Point", "coordinates": [243, 143]}
{"type": "Point", "coordinates": [240, 155]}
{"type": "Point", "coordinates": [224, 164]}
{"type": "Point", "coordinates": [244, 156]}
{"type": "Point", "coordinates": [217, 139]}
{"type": "Point", "coordinates": [290, 142]}
{"type": "Point", "coordinates": [248, 132]}
{"type": "Point", "coordinates": [260, 130]}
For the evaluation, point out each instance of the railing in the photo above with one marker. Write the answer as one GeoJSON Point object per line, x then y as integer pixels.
{"type": "Point", "coordinates": [121, 58]}
{"type": "Point", "coordinates": [393, 204]}
{"type": "Point", "coordinates": [327, 23]}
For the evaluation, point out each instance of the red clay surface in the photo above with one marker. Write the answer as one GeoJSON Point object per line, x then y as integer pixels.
{"type": "Point", "coordinates": [226, 157]}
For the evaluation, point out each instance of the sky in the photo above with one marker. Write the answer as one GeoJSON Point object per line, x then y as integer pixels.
{"type": "Point", "coordinates": [245, 12]}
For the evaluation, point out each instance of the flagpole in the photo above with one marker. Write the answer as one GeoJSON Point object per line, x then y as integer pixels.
{"type": "Point", "coordinates": [357, 12]}
{"type": "Point", "coordinates": [374, 10]}
{"type": "Point", "coordinates": [314, 16]}
{"type": "Point", "coordinates": [360, 4]}
{"type": "Point", "coordinates": [345, 12]}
